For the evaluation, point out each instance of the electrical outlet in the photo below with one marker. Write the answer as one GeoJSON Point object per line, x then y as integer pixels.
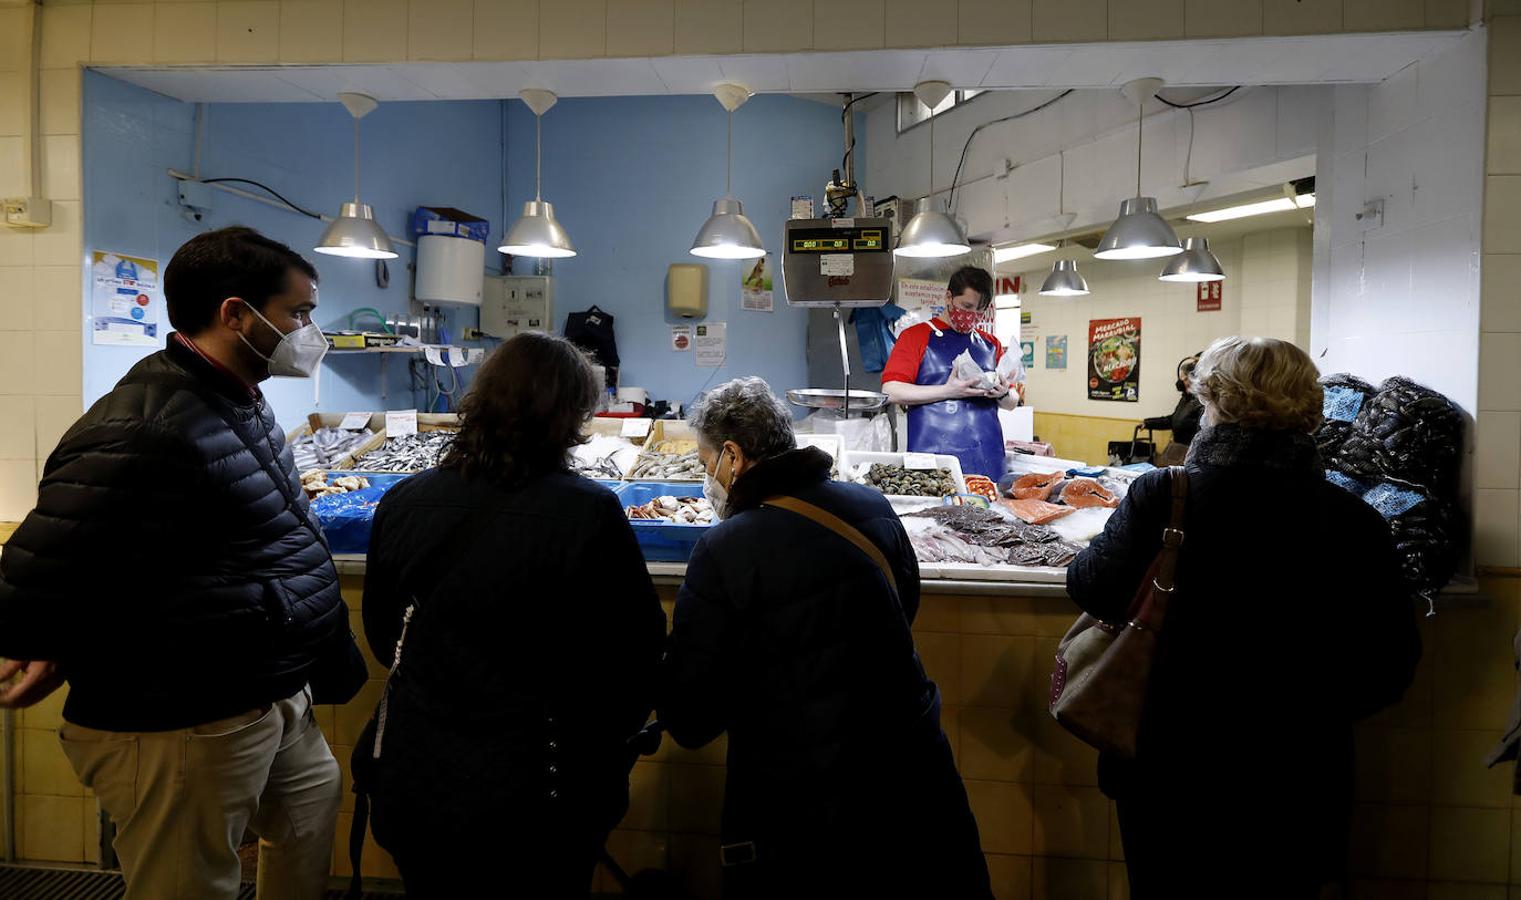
{"type": "Point", "coordinates": [28, 212]}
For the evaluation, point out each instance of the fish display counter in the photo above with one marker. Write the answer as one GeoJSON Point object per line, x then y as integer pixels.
{"type": "Point", "coordinates": [971, 536]}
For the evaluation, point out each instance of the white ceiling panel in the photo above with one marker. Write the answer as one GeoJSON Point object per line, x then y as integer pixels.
{"type": "Point", "coordinates": [1274, 60]}
{"type": "Point", "coordinates": [690, 75]}
{"type": "Point", "coordinates": [962, 68]}
{"type": "Point", "coordinates": [761, 74]}
{"type": "Point", "coordinates": [592, 77]}
{"type": "Point", "coordinates": [1025, 67]}
{"type": "Point", "coordinates": [384, 83]}
{"type": "Point", "coordinates": [890, 70]}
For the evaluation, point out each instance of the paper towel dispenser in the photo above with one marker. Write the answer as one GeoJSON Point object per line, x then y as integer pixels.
{"type": "Point", "coordinates": [686, 290]}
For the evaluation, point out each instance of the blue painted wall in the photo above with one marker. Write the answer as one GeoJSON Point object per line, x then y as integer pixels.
{"type": "Point", "coordinates": [631, 178]}
{"type": "Point", "coordinates": [437, 154]}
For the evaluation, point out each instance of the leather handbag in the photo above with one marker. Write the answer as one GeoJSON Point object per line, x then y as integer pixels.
{"type": "Point", "coordinates": [1098, 688]}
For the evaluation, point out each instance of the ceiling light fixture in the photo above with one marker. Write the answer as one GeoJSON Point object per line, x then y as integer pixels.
{"type": "Point", "coordinates": [1278, 204]}
{"type": "Point", "coordinates": [1064, 281]}
{"type": "Point", "coordinates": [1195, 263]}
{"type": "Point", "coordinates": [537, 232]}
{"type": "Point", "coordinates": [1139, 233]}
{"type": "Point", "coordinates": [931, 233]}
{"type": "Point", "coordinates": [1019, 251]}
{"type": "Point", "coordinates": [729, 233]}
{"type": "Point", "coordinates": [355, 233]}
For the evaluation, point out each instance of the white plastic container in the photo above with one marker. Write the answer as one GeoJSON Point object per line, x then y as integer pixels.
{"type": "Point", "coordinates": [860, 459]}
{"type": "Point", "coordinates": [450, 269]}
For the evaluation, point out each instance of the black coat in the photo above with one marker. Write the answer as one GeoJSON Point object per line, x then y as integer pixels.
{"type": "Point", "coordinates": [171, 565]}
{"type": "Point", "coordinates": [788, 637]}
{"type": "Point", "coordinates": [528, 662]}
{"type": "Point", "coordinates": [1291, 622]}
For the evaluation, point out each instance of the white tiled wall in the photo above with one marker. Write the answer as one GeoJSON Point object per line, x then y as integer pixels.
{"type": "Point", "coordinates": [1264, 134]}
{"type": "Point", "coordinates": [1431, 292]}
{"type": "Point", "coordinates": [1264, 295]}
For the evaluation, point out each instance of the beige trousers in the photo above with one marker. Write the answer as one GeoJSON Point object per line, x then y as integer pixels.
{"type": "Point", "coordinates": [181, 801]}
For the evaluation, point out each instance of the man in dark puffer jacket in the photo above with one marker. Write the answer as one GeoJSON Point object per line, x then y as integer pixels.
{"type": "Point", "coordinates": [172, 575]}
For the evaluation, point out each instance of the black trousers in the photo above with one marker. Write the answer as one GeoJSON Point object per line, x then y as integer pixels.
{"type": "Point", "coordinates": [1175, 849]}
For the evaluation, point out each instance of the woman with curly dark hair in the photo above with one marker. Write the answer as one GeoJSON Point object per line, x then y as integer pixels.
{"type": "Point", "coordinates": [515, 606]}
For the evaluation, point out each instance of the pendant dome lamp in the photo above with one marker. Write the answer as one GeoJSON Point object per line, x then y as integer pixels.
{"type": "Point", "coordinates": [537, 232]}
{"type": "Point", "coordinates": [931, 233]}
{"type": "Point", "coordinates": [355, 233]}
{"type": "Point", "coordinates": [729, 233]}
{"type": "Point", "coordinates": [1139, 233]}
{"type": "Point", "coordinates": [1064, 281]}
{"type": "Point", "coordinates": [1196, 263]}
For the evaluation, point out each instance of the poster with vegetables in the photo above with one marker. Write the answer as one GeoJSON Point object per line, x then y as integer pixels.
{"type": "Point", "coordinates": [1114, 359]}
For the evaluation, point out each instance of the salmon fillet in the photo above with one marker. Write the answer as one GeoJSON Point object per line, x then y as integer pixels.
{"type": "Point", "coordinates": [1036, 486]}
{"type": "Point", "coordinates": [1085, 493]}
{"type": "Point", "coordinates": [1036, 512]}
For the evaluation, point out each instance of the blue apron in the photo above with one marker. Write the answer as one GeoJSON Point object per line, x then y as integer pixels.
{"type": "Point", "coordinates": [966, 429]}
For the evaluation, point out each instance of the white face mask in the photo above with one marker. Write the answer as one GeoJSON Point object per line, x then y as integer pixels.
{"type": "Point", "coordinates": [715, 492]}
{"type": "Point", "coordinates": [298, 354]}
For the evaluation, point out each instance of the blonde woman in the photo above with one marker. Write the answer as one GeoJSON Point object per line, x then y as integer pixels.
{"type": "Point", "coordinates": [1290, 623]}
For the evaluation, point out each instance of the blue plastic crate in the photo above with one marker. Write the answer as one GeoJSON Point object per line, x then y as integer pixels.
{"type": "Point", "coordinates": [347, 519]}
{"type": "Point", "coordinates": [662, 541]}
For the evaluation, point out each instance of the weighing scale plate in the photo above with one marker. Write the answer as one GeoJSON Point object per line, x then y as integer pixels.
{"type": "Point", "coordinates": [820, 398]}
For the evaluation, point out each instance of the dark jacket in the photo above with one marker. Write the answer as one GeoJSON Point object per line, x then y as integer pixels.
{"type": "Point", "coordinates": [788, 637]}
{"type": "Point", "coordinates": [528, 662]}
{"type": "Point", "coordinates": [1291, 622]}
{"type": "Point", "coordinates": [171, 565]}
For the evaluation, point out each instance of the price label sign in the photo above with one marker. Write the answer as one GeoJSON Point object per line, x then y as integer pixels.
{"type": "Point", "coordinates": [357, 421]}
{"type": "Point", "coordinates": [919, 461]}
{"type": "Point", "coordinates": [637, 429]}
{"type": "Point", "coordinates": [400, 423]}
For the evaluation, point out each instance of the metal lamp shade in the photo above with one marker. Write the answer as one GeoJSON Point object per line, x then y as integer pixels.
{"type": "Point", "coordinates": [1195, 263]}
{"type": "Point", "coordinates": [538, 233]}
{"type": "Point", "coordinates": [356, 234]}
{"type": "Point", "coordinates": [1064, 280]}
{"type": "Point", "coordinates": [931, 234]}
{"type": "Point", "coordinates": [1139, 233]}
{"type": "Point", "coordinates": [728, 233]}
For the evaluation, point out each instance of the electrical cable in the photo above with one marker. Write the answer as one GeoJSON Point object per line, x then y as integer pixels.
{"type": "Point", "coordinates": [951, 201]}
{"type": "Point", "coordinates": [373, 312]}
{"type": "Point", "coordinates": [845, 111]}
{"type": "Point", "coordinates": [1199, 102]}
{"type": "Point", "coordinates": [264, 187]}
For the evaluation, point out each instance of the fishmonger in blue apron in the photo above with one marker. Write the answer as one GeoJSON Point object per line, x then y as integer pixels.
{"type": "Point", "coordinates": [946, 414]}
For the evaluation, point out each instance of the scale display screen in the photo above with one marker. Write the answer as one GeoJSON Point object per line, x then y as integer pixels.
{"type": "Point", "coordinates": [838, 240]}
{"type": "Point", "coordinates": [846, 263]}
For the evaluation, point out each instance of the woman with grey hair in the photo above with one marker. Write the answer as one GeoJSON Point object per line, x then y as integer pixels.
{"type": "Point", "coordinates": [791, 633]}
{"type": "Point", "coordinates": [1290, 623]}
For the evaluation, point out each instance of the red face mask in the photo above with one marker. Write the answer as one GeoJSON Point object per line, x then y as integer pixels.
{"type": "Point", "coordinates": [963, 320]}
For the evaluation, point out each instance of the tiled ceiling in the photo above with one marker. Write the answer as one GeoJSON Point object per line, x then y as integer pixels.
{"type": "Point", "coordinates": [1276, 60]}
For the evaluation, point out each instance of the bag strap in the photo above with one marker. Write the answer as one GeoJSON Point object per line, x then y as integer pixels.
{"type": "Point", "coordinates": [840, 527]}
{"type": "Point", "coordinates": [1164, 581]}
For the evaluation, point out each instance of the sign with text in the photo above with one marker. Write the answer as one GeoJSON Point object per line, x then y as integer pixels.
{"type": "Point", "coordinates": [1114, 359]}
{"type": "Point", "coordinates": [1211, 293]}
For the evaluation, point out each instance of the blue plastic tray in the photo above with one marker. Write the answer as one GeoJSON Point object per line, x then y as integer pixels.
{"type": "Point", "coordinates": [662, 541]}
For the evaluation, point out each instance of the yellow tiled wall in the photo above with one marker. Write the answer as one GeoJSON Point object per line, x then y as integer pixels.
{"type": "Point", "coordinates": [1427, 810]}
{"type": "Point", "coordinates": [1497, 463]}
{"type": "Point", "coordinates": [1087, 438]}
{"type": "Point", "coordinates": [371, 31]}
{"type": "Point", "coordinates": [41, 277]}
